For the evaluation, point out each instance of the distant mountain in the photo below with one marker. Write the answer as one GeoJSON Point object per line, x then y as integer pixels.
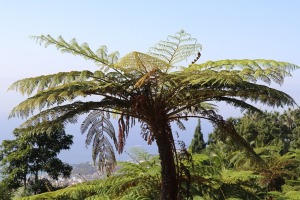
{"type": "Point", "coordinates": [86, 168]}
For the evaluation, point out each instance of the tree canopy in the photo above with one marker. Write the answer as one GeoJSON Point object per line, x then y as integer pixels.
{"type": "Point", "coordinates": [30, 156]}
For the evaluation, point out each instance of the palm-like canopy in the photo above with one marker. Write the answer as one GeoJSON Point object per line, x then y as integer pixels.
{"type": "Point", "coordinates": [147, 88]}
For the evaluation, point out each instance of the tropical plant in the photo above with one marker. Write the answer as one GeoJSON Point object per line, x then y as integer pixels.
{"type": "Point", "coordinates": [147, 88]}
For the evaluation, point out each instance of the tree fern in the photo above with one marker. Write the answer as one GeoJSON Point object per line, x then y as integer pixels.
{"type": "Point", "coordinates": [149, 89]}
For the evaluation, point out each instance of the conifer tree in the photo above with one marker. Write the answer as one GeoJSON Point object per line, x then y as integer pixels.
{"type": "Point", "coordinates": [198, 143]}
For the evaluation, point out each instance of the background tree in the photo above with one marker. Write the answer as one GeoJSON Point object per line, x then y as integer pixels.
{"type": "Point", "coordinates": [198, 142]}
{"type": "Point", "coordinates": [265, 129]}
{"type": "Point", "coordinates": [149, 89]}
{"type": "Point", "coordinates": [5, 193]}
{"type": "Point", "coordinates": [26, 156]}
{"type": "Point", "coordinates": [269, 134]}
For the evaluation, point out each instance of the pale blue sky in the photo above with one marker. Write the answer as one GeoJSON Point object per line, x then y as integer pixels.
{"type": "Point", "coordinates": [230, 29]}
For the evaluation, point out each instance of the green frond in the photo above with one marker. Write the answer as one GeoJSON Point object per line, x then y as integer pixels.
{"type": "Point", "coordinates": [233, 177]}
{"type": "Point", "coordinates": [59, 114]}
{"type": "Point", "coordinates": [250, 70]}
{"type": "Point", "coordinates": [229, 84]}
{"type": "Point", "coordinates": [113, 57]}
{"type": "Point", "coordinates": [102, 52]}
{"type": "Point", "coordinates": [292, 195]}
{"type": "Point", "coordinates": [238, 103]}
{"type": "Point", "coordinates": [57, 95]}
{"type": "Point", "coordinates": [98, 197]}
{"type": "Point", "coordinates": [141, 155]}
{"type": "Point", "coordinates": [40, 83]}
{"type": "Point", "coordinates": [205, 171]}
{"type": "Point", "coordinates": [140, 63]}
{"type": "Point", "coordinates": [100, 57]}
{"type": "Point", "coordinates": [69, 112]}
{"type": "Point", "coordinates": [87, 190]}
{"type": "Point", "coordinates": [176, 48]}
{"type": "Point", "coordinates": [139, 180]}
{"type": "Point", "coordinates": [141, 186]}
{"type": "Point", "coordinates": [267, 149]}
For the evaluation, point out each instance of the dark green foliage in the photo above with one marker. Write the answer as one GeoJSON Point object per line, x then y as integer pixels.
{"type": "Point", "coordinates": [5, 192]}
{"type": "Point", "coordinates": [198, 143]}
{"type": "Point", "coordinates": [271, 135]}
{"type": "Point", "coordinates": [208, 180]}
{"type": "Point", "coordinates": [40, 186]}
{"type": "Point", "coordinates": [29, 156]}
{"type": "Point", "coordinates": [268, 128]}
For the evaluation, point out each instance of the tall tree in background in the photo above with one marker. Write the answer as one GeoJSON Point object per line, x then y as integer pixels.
{"type": "Point", "coordinates": [148, 88]}
{"type": "Point", "coordinates": [26, 156]}
{"type": "Point", "coordinates": [267, 128]}
{"type": "Point", "coordinates": [198, 142]}
{"type": "Point", "coordinates": [269, 134]}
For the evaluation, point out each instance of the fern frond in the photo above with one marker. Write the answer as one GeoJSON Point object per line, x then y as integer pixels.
{"type": "Point", "coordinates": [40, 83]}
{"type": "Point", "coordinates": [106, 156]}
{"type": "Point", "coordinates": [238, 103]}
{"type": "Point", "coordinates": [98, 124]}
{"type": "Point", "coordinates": [251, 70]}
{"type": "Point", "coordinates": [99, 197]}
{"type": "Point", "coordinates": [180, 125]}
{"type": "Point", "coordinates": [176, 48]}
{"type": "Point", "coordinates": [140, 63]}
{"type": "Point", "coordinates": [113, 57]}
{"type": "Point", "coordinates": [59, 114]}
{"type": "Point", "coordinates": [74, 48]}
{"type": "Point", "coordinates": [233, 177]}
{"type": "Point", "coordinates": [58, 95]}
{"type": "Point", "coordinates": [230, 84]}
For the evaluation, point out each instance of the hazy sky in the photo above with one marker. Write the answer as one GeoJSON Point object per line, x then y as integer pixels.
{"type": "Point", "coordinates": [229, 29]}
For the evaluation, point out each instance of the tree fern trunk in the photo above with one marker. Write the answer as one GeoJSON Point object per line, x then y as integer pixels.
{"type": "Point", "coordinates": [169, 185]}
{"type": "Point", "coordinates": [36, 178]}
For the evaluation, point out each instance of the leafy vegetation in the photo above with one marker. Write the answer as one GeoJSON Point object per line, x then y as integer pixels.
{"type": "Point", "coordinates": [6, 193]}
{"type": "Point", "coordinates": [153, 90]}
{"type": "Point", "coordinates": [219, 171]}
{"type": "Point", "coordinates": [139, 179]}
{"type": "Point", "coordinates": [278, 178]}
{"type": "Point", "coordinates": [25, 158]}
